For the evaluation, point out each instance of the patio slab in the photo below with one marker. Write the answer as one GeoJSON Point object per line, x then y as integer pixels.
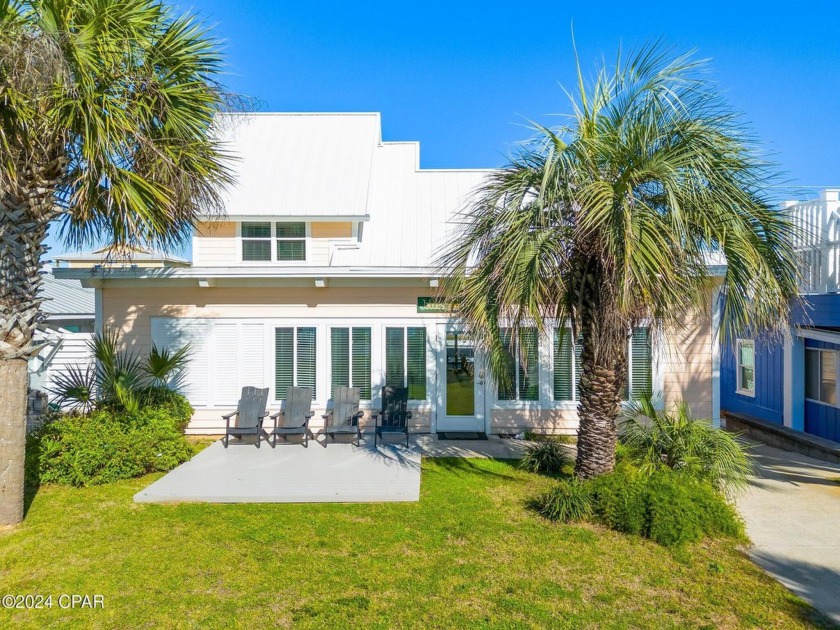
{"type": "Point", "coordinates": [290, 473]}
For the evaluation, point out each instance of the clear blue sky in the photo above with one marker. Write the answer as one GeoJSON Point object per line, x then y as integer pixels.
{"type": "Point", "coordinates": [462, 77]}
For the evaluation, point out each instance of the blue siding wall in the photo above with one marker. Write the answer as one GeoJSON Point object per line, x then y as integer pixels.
{"type": "Point", "coordinates": [820, 419]}
{"type": "Point", "coordinates": [769, 370]}
{"type": "Point", "coordinates": [821, 311]}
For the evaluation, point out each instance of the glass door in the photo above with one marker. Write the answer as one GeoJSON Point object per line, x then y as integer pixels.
{"type": "Point", "coordinates": [460, 405]}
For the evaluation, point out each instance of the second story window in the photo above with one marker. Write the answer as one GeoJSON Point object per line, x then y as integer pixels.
{"type": "Point", "coordinates": [291, 241]}
{"type": "Point", "coordinates": [256, 241]}
{"type": "Point", "coordinates": [267, 241]}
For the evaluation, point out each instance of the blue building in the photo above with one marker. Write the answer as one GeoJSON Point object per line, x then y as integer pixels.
{"type": "Point", "coordinates": [791, 379]}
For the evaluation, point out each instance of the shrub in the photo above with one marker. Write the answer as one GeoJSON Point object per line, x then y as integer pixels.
{"type": "Point", "coordinates": [108, 445]}
{"type": "Point", "coordinates": [122, 379]}
{"type": "Point", "coordinates": [568, 501]}
{"type": "Point", "coordinates": [656, 439]}
{"type": "Point", "coordinates": [619, 500]}
{"type": "Point", "coordinates": [547, 458]}
{"type": "Point", "coordinates": [669, 507]}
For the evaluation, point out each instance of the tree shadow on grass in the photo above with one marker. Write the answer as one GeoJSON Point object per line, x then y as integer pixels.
{"type": "Point", "coordinates": [29, 492]}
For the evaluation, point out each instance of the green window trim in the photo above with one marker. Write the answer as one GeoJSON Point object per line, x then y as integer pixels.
{"type": "Point", "coordinates": [405, 359]}
{"type": "Point", "coordinates": [295, 359]}
{"type": "Point", "coordinates": [524, 375]}
{"type": "Point", "coordinates": [350, 363]}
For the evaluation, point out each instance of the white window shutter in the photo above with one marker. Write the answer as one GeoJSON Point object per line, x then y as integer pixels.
{"type": "Point", "coordinates": [252, 359]}
{"type": "Point", "coordinates": [226, 364]}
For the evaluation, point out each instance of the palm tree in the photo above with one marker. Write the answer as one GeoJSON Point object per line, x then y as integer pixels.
{"type": "Point", "coordinates": [611, 219]}
{"type": "Point", "coordinates": [106, 108]}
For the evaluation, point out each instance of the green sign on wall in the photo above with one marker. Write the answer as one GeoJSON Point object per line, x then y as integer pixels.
{"type": "Point", "coordinates": [432, 305]}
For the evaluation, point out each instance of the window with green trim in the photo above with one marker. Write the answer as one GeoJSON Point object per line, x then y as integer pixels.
{"type": "Point", "coordinates": [405, 360]}
{"type": "Point", "coordinates": [294, 359]}
{"type": "Point", "coordinates": [350, 360]}
{"type": "Point", "coordinates": [256, 240]}
{"type": "Point", "coordinates": [523, 382]}
{"type": "Point", "coordinates": [291, 240]}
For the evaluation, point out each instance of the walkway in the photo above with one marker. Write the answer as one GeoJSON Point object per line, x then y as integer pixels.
{"type": "Point", "coordinates": [792, 513]}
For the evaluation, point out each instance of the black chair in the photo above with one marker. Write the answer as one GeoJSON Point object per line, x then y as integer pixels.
{"type": "Point", "coordinates": [394, 416]}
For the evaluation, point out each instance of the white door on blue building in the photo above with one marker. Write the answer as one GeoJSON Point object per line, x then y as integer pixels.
{"type": "Point", "coordinates": [461, 378]}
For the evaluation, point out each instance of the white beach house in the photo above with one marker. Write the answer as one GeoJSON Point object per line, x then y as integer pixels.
{"type": "Point", "coordinates": [321, 274]}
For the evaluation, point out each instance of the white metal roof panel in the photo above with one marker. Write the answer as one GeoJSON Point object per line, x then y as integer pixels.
{"type": "Point", "coordinates": [299, 164]}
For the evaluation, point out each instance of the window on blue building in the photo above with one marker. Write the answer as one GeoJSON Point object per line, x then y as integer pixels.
{"type": "Point", "coordinates": [821, 375]}
{"type": "Point", "coordinates": [746, 367]}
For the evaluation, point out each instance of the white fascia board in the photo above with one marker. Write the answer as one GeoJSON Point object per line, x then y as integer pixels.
{"type": "Point", "coordinates": [311, 218]}
{"type": "Point", "coordinates": [244, 272]}
{"type": "Point", "coordinates": [818, 335]}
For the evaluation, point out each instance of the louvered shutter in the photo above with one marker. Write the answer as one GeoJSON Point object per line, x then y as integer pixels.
{"type": "Point", "coordinates": [394, 357]}
{"type": "Point", "coordinates": [529, 368]}
{"type": "Point", "coordinates": [507, 390]}
{"type": "Point", "coordinates": [339, 359]}
{"type": "Point", "coordinates": [416, 341]}
{"type": "Point", "coordinates": [283, 361]}
{"type": "Point", "coordinates": [225, 343]}
{"type": "Point", "coordinates": [361, 361]}
{"type": "Point", "coordinates": [563, 377]}
{"type": "Point", "coordinates": [195, 386]}
{"type": "Point", "coordinates": [641, 373]}
{"type": "Point", "coordinates": [306, 363]}
{"type": "Point", "coordinates": [252, 356]}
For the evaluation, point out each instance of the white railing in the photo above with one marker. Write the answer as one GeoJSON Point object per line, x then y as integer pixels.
{"type": "Point", "coordinates": [817, 242]}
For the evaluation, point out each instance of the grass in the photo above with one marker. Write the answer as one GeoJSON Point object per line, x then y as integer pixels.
{"type": "Point", "coordinates": [469, 554]}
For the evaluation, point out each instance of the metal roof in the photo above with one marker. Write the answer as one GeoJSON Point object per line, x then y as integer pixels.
{"type": "Point", "coordinates": [299, 164]}
{"type": "Point", "coordinates": [66, 297]}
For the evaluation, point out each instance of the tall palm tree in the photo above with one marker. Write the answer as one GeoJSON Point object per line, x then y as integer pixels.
{"type": "Point", "coordinates": [611, 219]}
{"type": "Point", "coordinates": [106, 109]}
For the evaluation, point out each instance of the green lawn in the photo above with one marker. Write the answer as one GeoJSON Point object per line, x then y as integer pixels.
{"type": "Point", "coordinates": [469, 554]}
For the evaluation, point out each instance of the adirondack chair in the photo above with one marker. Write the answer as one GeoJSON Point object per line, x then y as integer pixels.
{"type": "Point", "coordinates": [250, 413]}
{"type": "Point", "coordinates": [394, 416]}
{"type": "Point", "coordinates": [345, 414]}
{"type": "Point", "coordinates": [294, 419]}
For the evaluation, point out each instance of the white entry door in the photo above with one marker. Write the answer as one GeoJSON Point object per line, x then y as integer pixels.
{"type": "Point", "coordinates": [460, 376]}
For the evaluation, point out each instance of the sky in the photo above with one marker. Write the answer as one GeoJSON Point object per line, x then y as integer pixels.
{"type": "Point", "coordinates": [465, 78]}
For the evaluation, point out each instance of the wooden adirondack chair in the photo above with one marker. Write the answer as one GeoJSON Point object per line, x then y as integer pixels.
{"type": "Point", "coordinates": [294, 419]}
{"type": "Point", "coordinates": [250, 413]}
{"type": "Point", "coordinates": [394, 416]}
{"type": "Point", "coordinates": [345, 414]}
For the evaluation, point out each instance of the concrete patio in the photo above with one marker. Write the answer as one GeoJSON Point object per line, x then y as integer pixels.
{"type": "Point", "coordinates": [337, 473]}
{"type": "Point", "coordinates": [290, 473]}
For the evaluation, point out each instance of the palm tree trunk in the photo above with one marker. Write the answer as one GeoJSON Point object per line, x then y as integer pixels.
{"type": "Point", "coordinates": [25, 212]}
{"type": "Point", "coordinates": [603, 363]}
{"type": "Point", "coordinates": [13, 375]}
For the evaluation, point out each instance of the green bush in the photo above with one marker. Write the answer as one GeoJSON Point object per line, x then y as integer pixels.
{"type": "Point", "coordinates": [669, 507]}
{"type": "Point", "coordinates": [547, 458]}
{"type": "Point", "coordinates": [568, 501]}
{"type": "Point", "coordinates": [108, 445]}
{"type": "Point", "coordinates": [656, 439]}
{"type": "Point", "coordinates": [619, 500]}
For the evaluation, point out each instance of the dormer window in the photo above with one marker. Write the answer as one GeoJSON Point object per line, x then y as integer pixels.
{"type": "Point", "coordinates": [267, 241]}
{"type": "Point", "coordinates": [256, 241]}
{"type": "Point", "coordinates": [291, 241]}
